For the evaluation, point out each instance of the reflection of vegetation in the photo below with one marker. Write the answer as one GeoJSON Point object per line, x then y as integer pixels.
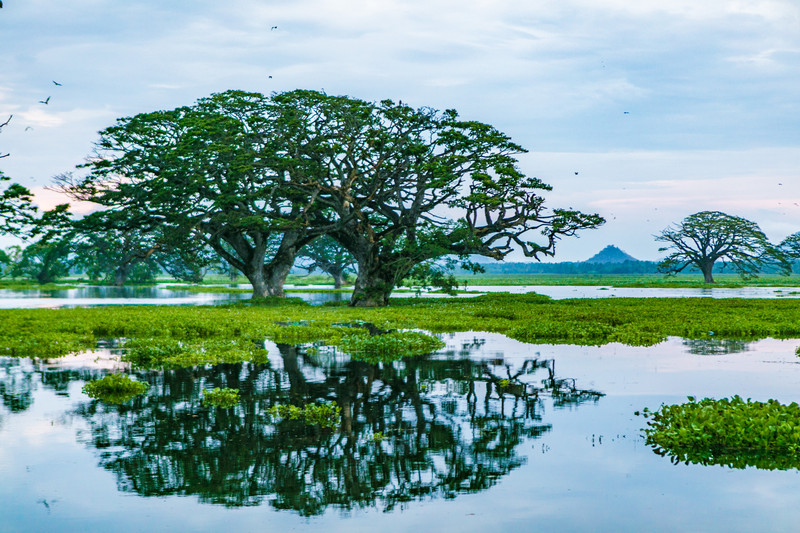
{"type": "Point", "coordinates": [528, 318]}
{"type": "Point", "coordinates": [16, 386]}
{"type": "Point", "coordinates": [218, 397]}
{"type": "Point", "coordinates": [416, 429]}
{"type": "Point", "coordinates": [712, 346]}
{"type": "Point", "coordinates": [735, 433]}
{"type": "Point", "coordinates": [115, 388]}
{"type": "Point", "coordinates": [322, 415]}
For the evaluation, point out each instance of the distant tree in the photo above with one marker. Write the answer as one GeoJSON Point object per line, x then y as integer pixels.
{"type": "Point", "coordinates": [49, 256]}
{"type": "Point", "coordinates": [706, 237]}
{"type": "Point", "coordinates": [113, 255]}
{"type": "Point", "coordinates": [188, 262]}
{"type": "Point", "coordinates": [790, 248]}
{"type": "Point", "coordinates": [329, 256]}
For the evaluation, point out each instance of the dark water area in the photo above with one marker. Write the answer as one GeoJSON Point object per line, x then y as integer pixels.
{"type": "Point", "coordinates": [487, 433]}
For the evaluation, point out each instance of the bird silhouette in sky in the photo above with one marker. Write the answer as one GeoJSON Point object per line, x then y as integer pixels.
{"type": "Point", "coordinates": [28, 128]}
{"type": "Point", "coordinates": [270, 77]}
{"type": "Point", "coordinates": [273, 28]}
{"type": "Point", "coordinates": [626, 112]}
{"type": "Point", "coordinates": [45, 101]}
{"type": "Point", "coordinates": [56, 83]}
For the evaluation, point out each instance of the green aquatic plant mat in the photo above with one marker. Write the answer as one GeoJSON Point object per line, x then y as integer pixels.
{"type": "Point", "coordinates": [389, 346]}
{"type": "Point", "coordinates": [115, 388]}
{"type": "Point", "coordinates": [224, 398]}
{"type": "Point", "coordinates": [731, 432]}
{"type": "Point", "coordinates": [160, 352]}
{"type": "Point", "coordinates": [528, 318]}
{"type": "Point", "coordinates": [324, 415]}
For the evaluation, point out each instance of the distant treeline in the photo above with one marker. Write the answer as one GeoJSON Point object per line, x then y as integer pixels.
{"type": "Point", "coordinates": [582, 267]}
{"type": "Point", "coordinates": [569, 267]}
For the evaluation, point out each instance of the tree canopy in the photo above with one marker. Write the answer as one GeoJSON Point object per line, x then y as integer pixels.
{"type": "Point", "coordinates": [706, 237]}
{"type": "Point", "coordinates": [400, 186]}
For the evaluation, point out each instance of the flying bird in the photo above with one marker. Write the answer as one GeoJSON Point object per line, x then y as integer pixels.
{"type": "Point", "coordinates": [45, 101]}
{"type": "Point", "coordinates": [576, 173]}
{"type": "Point", "coordinates": [271, 29]}
{"type": "Point", "coordinates": [56, 83]}
{"type": "Point", "coordinates": [28, 128]}
{"type": "Point", "coordinates": [626, 112]}
{"type": "Point", "coordinates": [270, 77]}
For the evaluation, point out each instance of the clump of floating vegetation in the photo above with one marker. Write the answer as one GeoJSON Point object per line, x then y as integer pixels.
{"type": "Point", "coordinates": [224, 398]}
{"type": "Point", "coordinates": [325, 415]}
{"type": "Point", "coordinates": [115, 388]}
{"type": "Point", "coordinates": [389, 346]}
{"type": "Point", "coordinates": [730, 432]}
{"type": "Point", "coordinates": [160, 352]}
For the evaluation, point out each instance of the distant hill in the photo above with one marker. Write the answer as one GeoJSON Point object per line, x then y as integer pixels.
{"type": "Point", "coordinates": [610, 254]}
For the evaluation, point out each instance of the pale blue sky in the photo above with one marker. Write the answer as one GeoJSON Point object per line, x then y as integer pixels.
{"type": "Point", "coordinates": [711, 89]}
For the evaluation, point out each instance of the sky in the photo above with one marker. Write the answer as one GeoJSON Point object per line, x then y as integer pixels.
{"type": "Point", "coordinates": [644, 112]}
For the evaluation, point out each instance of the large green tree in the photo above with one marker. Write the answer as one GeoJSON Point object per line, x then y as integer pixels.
{"type": "Point", "coordinates": [398, 187]}
{"type": "Point", "coordinates": [221, 170]}
{"type": "Point", "coordinates": [257, 178]}
{"type": "Point", "coordinates": [704, 238]}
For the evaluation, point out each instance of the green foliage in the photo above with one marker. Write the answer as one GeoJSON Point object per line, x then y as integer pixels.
{"type": "Point", "coordinates": [224, 398]}
{"type": "Point", "coordinates": [703, 238]}
{"type": "Point", "coordinates": [389, 346]}
{"type": "Point", "coordinates": [115, 388]}
{"type": "Point", "coordinates": [324, 415]}
{"type": "Point", "coordinates": [160, 352]}
{"type": "Point", "coordinates": [730, 432]}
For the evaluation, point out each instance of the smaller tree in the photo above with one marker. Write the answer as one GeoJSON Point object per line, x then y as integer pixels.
{"type": "Point", "coordinates": [706, 237]}
{"type": "Point", "coordinates": [790, 248]}
{"type": "Point", "coordinates": [49, 257]}
{"type": "Point", "coordinates": [329, 256]}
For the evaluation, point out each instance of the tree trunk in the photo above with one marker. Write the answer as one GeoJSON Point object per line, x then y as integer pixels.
{"type": "Point", "coordinates": [121, 274]}
{"type": "Point", "coordinates": [268, 278]}
{"type": "Point", "coordinates": [374, 284]}
{"type": "Point", "coordinates": [706, 268]}
{"type": "Point", "coordinates": [257, 279]}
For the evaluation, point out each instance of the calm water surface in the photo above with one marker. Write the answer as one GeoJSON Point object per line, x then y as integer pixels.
{"type": "Point", "coordinates": [158, 295]}
{"type": "Point", "coordinates": [486, 434]}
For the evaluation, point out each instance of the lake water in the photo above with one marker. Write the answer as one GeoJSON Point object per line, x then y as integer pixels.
{"type": "Point", "coordinates": [158, 295]}
{"type": "Point", "coordinates": [486, 434]}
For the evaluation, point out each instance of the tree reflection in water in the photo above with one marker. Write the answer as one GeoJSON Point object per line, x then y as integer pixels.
{"type": "Point", "coordinates": [414, 429]}
{"type": "Point", "coordinates": [714, 346]}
